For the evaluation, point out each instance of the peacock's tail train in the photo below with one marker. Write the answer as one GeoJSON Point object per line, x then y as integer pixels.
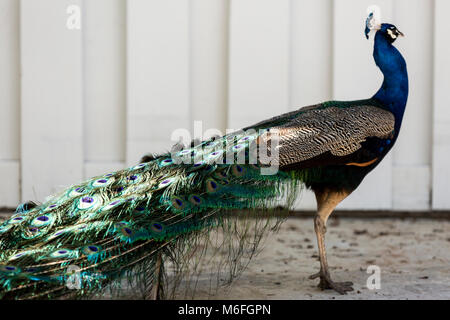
{"type": "Point", "coordinates": [147, 224]}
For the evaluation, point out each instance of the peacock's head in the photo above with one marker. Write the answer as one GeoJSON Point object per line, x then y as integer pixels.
{"type": "Point", "coordinates": [389, 31]}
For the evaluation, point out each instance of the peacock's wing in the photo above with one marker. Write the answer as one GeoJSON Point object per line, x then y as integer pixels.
{"type": "Point", "coordinates": [334, 130]}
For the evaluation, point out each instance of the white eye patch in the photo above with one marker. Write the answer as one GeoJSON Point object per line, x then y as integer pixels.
{"type": "Point", "coordinates": [392, 34]}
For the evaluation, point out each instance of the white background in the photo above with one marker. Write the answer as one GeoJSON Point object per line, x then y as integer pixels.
{"type": "Point", "coordinates": [76, 103]}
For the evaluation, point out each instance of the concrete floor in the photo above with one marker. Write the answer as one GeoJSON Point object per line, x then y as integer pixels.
{"type": "Point", "coordinates": [412, 254]}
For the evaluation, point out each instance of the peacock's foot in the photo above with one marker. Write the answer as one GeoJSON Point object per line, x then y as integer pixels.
{"type": "Point", "coordinates": [327, 283]}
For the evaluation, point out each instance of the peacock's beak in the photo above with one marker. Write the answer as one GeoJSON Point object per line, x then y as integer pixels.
{"type": "Point", "coordinates": [400, 33]}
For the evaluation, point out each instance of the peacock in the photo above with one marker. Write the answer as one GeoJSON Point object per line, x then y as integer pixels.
{"type": "Point", "coordinates": [140, 222]}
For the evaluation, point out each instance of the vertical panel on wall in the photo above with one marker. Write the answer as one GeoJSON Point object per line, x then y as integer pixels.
{"type": "Point", "coordinates": [158, 74]}
{"type": "Point", "coordinates": [9, 102]}
{"type": "Point", "coordinates": [51, 115]}
{"type": "Point", "coordinates": [104, 50]}
{"type": "Point", "coordinates": [311, 61]}
{"type": "Point", "coordinates": [412, 153]}
{"type": "Point", "coordinates": [441, 118]}
{"type": "Point", "coordinates": [311, 52]}
{"type": "Point", "coordinates": [259, 60]}
{"type": "Point", "coordinates": [209, 63]}
{"type": "Point", "coordinates": [357, 77]}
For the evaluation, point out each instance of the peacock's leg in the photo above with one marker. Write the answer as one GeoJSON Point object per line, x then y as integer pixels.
{"type": "Point", "coordinates": [326, 203]}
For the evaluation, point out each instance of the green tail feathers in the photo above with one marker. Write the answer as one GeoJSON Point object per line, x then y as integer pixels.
{"type": "Point", "coordinates": [119, 225]}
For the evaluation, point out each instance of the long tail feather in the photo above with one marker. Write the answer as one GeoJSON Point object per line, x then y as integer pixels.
{"type": "Point", "coordinates": [136, 223]}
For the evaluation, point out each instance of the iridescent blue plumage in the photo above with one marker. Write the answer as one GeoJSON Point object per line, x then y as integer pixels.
{"type": "Point", "coordinates": [394, 91]}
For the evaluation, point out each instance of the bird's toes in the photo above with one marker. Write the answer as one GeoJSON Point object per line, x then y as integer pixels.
{"type": "Point", "coordinates": [341, 287]}
{"type": "Point", "coordinates": [314, 276]}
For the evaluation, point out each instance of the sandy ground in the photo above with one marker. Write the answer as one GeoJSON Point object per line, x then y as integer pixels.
{"type": "Point", "coordinates": [412, 254]}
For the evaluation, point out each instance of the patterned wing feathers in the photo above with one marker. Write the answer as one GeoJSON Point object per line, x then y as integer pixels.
{"type": "Point", "coordinates": [339, 131]}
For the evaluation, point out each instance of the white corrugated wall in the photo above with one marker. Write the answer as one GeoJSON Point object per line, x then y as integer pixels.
{"type": "Point", "coordinates": [79, 102]}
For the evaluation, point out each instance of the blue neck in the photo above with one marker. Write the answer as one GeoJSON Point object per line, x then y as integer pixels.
{"type": "Point", "coordinates": [393, 93]}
